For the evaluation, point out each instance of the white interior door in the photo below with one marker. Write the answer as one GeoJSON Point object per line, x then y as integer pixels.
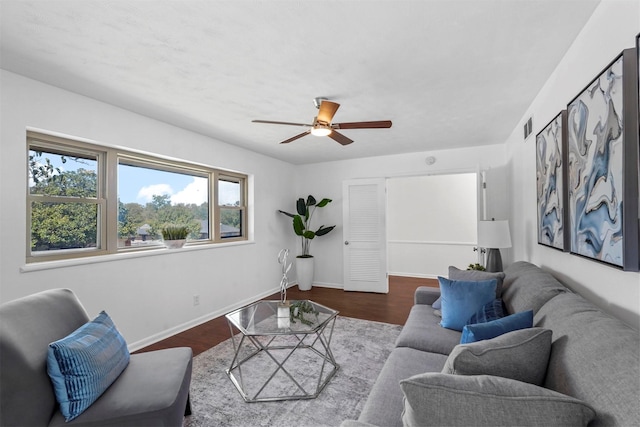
{"type": "Point", "coordinates": [364, 235]}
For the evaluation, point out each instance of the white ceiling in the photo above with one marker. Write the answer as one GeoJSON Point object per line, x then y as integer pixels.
{"type": "Point", "coordinates": [448, 73]}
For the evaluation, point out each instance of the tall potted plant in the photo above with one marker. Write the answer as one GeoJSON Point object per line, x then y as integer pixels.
{"type": "Point", "coordinates": [302, 228]}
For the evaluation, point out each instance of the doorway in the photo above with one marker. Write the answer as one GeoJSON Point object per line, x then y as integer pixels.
{"type": "Point", "coordinates": [431, 224]}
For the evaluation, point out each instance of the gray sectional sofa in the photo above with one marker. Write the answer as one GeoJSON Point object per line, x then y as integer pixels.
{"type": "Point", "coordinates": [592, 374]}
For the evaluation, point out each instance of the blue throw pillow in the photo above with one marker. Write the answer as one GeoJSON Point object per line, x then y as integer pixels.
{"type": "Point", "coordinates": [489, 312]}
{"type": "Point", "coordinates": [486, 331]}
{"type": "Point", "coordinates": [460, 299]}
{"type": "Point", "coordinates": [85, 363]}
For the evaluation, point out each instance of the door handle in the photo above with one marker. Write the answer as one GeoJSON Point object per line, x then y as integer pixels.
{"type": "Point", "coordinates": [346, 242]}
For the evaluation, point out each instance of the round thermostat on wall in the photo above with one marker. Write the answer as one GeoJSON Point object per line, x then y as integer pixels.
{"type": "Point", "coordinates": [430, 160]}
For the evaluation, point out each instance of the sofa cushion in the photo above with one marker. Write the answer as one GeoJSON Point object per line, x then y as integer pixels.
{"type": "Point", "coordinates": [477, 275]}
{"type": "Point", "coordinates": [85, 363]}
{"type": "Point", "coordinates": [494, 328]}
{"type": "Point", "coordinates": [437, 399]}
{"type": "Point", "coordinates": [527, 287]}
{"type": "Point", "coordinates": [422, 331]}
{"type": "Point", "coordinates": [385, 401]}
{"type": "Point", "coordinates": [594, 357]}
{"type": "Point", "coordinates": [461, 299]}
{"type": "Point", "coordinates": [491, 311]}
{"type": "Point", "coordinates": [520, 355]}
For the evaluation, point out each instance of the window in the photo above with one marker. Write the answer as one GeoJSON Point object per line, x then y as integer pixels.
{"type": "Point", "coordinates": [232, 206]}
{"type": "Point", "coordinates": [153, 195]}
{"type": "Point", "coordinates": [87, 200]}
{"type": "Point", "coordinates": [65, 200]}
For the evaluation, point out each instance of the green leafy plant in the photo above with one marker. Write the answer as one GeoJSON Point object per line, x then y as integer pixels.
{"type": "Point", "coordinates": [174, 232]}
{"type": "Point", "coordinates": [476, 266]}
{"type": "Point", "coordinates": [302, 222]}
{"type": "Point", "coordinates": [126, 227]}
{"type": "Point", "coordinates": [298, 309]}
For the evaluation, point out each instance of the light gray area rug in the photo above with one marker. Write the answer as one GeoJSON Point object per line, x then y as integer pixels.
{"type": "Point", "coordinates": [360, 348]}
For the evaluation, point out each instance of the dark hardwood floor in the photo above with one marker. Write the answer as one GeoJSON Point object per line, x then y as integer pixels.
{"type": "Point", "coordinates": [389, 308]}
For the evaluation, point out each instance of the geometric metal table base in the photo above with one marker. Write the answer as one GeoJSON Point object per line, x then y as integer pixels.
{"type": "Point", "coordinates": [280, 346]}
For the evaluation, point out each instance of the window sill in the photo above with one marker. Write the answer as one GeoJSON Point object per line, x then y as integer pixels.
{"type": "Point", "coordinates": [49, 265]}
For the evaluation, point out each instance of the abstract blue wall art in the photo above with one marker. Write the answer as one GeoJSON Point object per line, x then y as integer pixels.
{"type": "Point", "coordinates": [550, 181]}
{"type": "Point", "coordinates": [595, 168]}
{"type": "Point", "coordinates": [603, 209]}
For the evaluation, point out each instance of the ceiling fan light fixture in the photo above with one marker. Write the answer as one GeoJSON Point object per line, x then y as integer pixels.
{"type": "Point", "coordinates": [323, 124]}
{"type": "Point", "coordinates": [320, 131]}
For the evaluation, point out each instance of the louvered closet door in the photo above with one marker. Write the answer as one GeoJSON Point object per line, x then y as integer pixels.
{"type": "Point", "coordinates": [365, 236]}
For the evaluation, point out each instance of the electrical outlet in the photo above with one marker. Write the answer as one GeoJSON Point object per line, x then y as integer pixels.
{"type": "Point", "coordinates": [196, 300]}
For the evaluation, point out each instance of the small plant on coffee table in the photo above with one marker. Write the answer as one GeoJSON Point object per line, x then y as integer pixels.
{"type": "Point", "coordinates": [298, 310]}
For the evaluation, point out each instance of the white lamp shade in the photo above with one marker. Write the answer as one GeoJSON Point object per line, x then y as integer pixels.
{"type": "Point", "coordinates": [494, 234]}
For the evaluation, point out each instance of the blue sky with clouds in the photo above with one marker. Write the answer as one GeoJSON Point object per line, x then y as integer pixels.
{"type": "Point", "coordinates": [139, 185]}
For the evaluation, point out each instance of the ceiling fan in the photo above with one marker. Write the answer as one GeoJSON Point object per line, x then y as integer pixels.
{"type": "Point", "coordinates": [322, 125]}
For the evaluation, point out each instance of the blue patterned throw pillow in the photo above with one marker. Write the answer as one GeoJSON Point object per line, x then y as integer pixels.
{"type": "Point", "coordinates": [488, 312]}
{"type": "Point", "coordinates": [85, 363]}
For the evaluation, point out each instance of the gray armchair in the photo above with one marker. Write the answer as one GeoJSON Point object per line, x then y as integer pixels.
{"type": "Point", "coordinates": [153, 390]}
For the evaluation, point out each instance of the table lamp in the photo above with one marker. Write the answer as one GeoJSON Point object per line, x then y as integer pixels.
{"type": "Point", "coordinates": [493, 235]}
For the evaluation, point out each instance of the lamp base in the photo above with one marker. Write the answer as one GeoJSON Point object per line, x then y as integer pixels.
{"type": "Point", "coordinates": [494, 260]}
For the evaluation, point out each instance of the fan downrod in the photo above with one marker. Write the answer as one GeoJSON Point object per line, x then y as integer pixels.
{"type": "Point", "coordinates": [318, 100]}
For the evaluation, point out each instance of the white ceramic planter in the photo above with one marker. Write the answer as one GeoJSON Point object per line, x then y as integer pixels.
{"type": "Point", "coordinates": [174, 244]}
{"type": "Point", "coordinates": [304, 273]}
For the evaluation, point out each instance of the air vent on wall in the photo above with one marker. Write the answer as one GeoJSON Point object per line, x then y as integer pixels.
{"type": "Point", "coordinates": [528, 126]}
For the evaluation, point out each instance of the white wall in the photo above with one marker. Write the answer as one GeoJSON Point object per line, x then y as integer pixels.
{"type": "Point", "coordinates": [325, 180]}
{"type": "Point", "coordinates": [431, 223]}
{"type": "Point", "coordinates": [611, 29]}
{"type": "Point", "coordinates": [149, 296]}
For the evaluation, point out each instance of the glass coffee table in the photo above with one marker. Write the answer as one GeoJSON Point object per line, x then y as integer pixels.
{"type": "Point", "coordinates": [282, 352]}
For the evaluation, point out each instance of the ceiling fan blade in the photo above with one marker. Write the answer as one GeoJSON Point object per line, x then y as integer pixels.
{"type": "Point", "coordinates": [280, 123]}
{"type": "Point", "coordinates": [363, 125]}
{"type": "Point", "coordinates": [340, 138]}
{"type": "Point", "coordinates": [293, 138]}
{"type": "Point", "coordinates": [327, 111]}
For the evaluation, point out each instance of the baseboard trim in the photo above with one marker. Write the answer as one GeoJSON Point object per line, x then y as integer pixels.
{"type": "Point", "coordinates": [328, 285]}
{"type": "Point", "coordinates": [417, 275]}
{"type": "Point", "coordinates": [220, 312]}
{"type": "Point", "coordinates": [197, 321]}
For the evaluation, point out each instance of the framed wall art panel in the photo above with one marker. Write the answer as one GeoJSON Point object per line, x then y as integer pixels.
{"type": "Point", "coordinates": [602, 135]}
{"type": "Point", "coordinates": [551, 158]}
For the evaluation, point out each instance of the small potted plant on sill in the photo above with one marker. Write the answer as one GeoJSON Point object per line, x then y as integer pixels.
{"type": "Point", "coordinates": [174, 236]}
{"type": "Point", "coordinates": [302, 228]}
